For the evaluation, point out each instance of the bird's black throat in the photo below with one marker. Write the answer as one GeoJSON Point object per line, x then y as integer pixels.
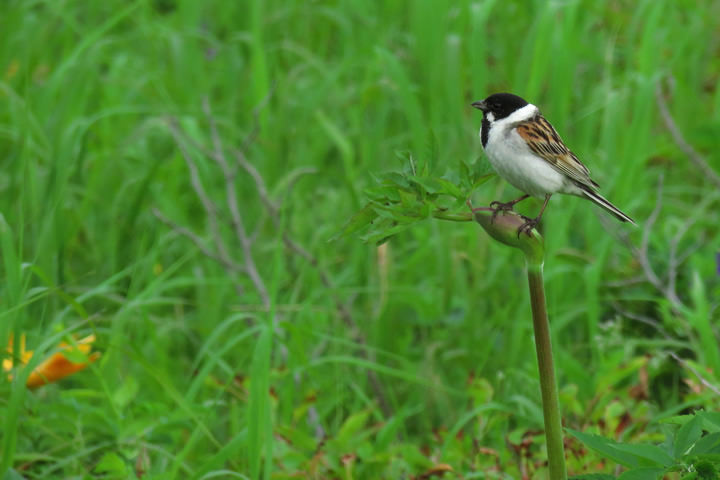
{"type": "Point", "coordinates": [484, 131]}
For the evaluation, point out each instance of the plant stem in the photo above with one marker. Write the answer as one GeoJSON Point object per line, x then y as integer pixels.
{"type": "Point", "coordinates": [548, 385]}
{"type": "Point", "coordinates": [454, 217]}
{"type": "Point", "coordinates": [503, 227]}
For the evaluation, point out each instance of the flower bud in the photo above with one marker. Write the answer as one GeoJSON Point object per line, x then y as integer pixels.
{"type": "Point", "coordinates": [504, 226]}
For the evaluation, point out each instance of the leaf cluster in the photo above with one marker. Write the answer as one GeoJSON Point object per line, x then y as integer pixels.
{"type": "Point", "coordinates": [401, 199]}
{"type": "Point", "coordinates": [691, 447]}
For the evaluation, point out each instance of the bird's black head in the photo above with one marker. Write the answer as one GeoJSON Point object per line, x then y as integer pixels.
{"type": "Point", "coordinates": [500, 104]}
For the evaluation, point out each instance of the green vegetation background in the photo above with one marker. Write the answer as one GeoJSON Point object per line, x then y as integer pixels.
{"type": "Point", "coordinates": [369, 363]}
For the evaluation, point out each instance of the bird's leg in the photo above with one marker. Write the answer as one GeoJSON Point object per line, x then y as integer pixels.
{"type": "Point", "coordinates": [531, 223]}
{"type": "Point", "coordinates": [500, 206]}
{"type": "Point", "coordinates": [505, 207]}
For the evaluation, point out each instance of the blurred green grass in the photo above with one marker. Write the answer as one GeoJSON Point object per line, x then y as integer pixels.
{"type": "Point", "coordinates": [86, 90]}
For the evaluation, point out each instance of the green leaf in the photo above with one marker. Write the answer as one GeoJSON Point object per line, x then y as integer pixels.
{"type": "Point", "coordinates": [352, 426]}
{"type": "Point", "coordinates": [389, 432]}
{"type": "Point", "coordinates": [358, 221]}
{"type": "Point", "coordinates": [297, 437]}
{"type": "Point", "coordinates": [406, 159]}
{"type": "Point", "coordinates": [383, 193]}
{"type": "Point", "coordinates": [652, 453]}
{"type": "Point", "coordinates": [706, 458]}
{"type": "Point", "coordinates": [429, 184]}
{"type": "Point", "coordinates": [111, 464]}
{"type": "Point", "coordinates": [258, 413]}
{"type": "Point", "coordinates": [609, 448]}
{"type": "Point", "coordinates": [706, 469]}
{"type": "Point", "coordinates": [678, 419]}
{"type": "Point", "coordinates": [707, 444]}
{"type": "Point", "coordinates": [480, 180]}
{"type": "Point", "coordinates": [381, 236]}
{"type": "Point", "coordinates": [645, 473]}
{"type": "Point", "coordinates": [451, 189]}
{"type": "Point", "coordinates": [408, 199]}
{"type": "Point", "coordinates": [711, 421]}
{"type": "Point", "coordinates": [398, 179]}
{"type": "Point", "coordinates": [465, 173]}
{"type": "Point", "coordinates": [687, 435]}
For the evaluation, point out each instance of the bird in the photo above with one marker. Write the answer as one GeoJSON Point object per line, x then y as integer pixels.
{"type": "Point", "coordinates": [526, 151]}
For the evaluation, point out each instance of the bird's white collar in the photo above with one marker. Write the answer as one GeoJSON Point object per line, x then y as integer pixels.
{"type": "Point", "coordinates": [519, 115]}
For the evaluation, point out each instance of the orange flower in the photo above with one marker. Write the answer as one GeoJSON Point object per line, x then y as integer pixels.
{"type": "Point", "coordinates": [56, 367]}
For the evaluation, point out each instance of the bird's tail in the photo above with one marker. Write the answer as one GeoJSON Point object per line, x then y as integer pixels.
{"type": "Point", "coordinates": [604, 203]}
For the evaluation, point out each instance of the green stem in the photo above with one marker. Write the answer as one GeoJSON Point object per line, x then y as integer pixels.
{"type": "Point", "coordinates": [455, 217]}
{"type": "Point", "coordinates": [548, 385]}
{"type": "Point", "coordinates": [504, 227]}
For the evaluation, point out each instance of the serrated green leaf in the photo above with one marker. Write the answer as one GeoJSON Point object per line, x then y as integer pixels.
{"type": "Point", "coordinates": [652, 453]}
{"type": "Point", "coordinates": [383, 193]}
{"type": "Point", "coordinates": [397, 179]}
{"type": "Point", "coordinates": [608, 448]}
{"type": "Point", "coordinates": [644, 473]}
{"type": "Point", "coordinates": [381, 236]}
{"type": "Point", "coordinates": [465, 175]}
{"type": "Point", "coordinates": [480, 167]}
{"type": "Point", "coordinates": [480, 180]}
{"type": "Point", "coordinates": [451, 189]}
{"type": "Point", "coordinates": [361, 219]}
{"type": "Point", "coordinates": [381, 223]}
{"type": "Point", "coordinates": [687, 435]}
{"type": "Point", "coordinates": [427, 209]}
{"type": "Point", "coordinates": [429, 184]}
{"type": "Point", "coordinates": [707, 467]}
{"type": "Point", "coordinates": [711, 421]}
{"type": "Point", "coordinates": [399, 213]}
{"type": "Point", "coordinates": [404, 156]}
{"type": "Point", "coordinates": [707, 444]}
{"type": "Point", "coordinates": [713, 458]}
{"type": "Point", "coordinates": [408, 199]}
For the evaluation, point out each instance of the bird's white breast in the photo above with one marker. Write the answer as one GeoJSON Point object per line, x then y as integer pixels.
{"type": "Point", "coordinates": [513, 160]}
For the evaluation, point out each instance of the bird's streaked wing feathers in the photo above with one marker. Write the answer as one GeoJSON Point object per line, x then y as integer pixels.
{"type": "Point", "coordinates": [545, 142]}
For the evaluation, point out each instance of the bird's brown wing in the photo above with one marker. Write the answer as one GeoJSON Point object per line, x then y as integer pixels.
{"type": "Point", "coordinates": [545, 142]}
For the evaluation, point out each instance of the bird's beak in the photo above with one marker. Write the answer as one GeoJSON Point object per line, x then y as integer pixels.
{"type": "Point", "coordinates": [480, 105]}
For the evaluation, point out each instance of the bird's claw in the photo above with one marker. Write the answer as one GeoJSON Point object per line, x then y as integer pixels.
{"type": "Point", "coordinates": [498, 207]}
{"type": "Point", "coordinates": [528, 226]}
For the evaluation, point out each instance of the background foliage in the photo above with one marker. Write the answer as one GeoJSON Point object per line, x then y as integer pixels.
{"type": "Point", "coordinates": [345, 360]}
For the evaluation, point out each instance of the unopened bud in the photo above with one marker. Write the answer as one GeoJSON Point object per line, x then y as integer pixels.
{"type": "Point", "coordinates": [507, 227]}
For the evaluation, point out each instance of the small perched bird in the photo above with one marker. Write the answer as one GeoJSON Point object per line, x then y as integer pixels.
{"type": "Point", "coordinates": [525, 150]}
